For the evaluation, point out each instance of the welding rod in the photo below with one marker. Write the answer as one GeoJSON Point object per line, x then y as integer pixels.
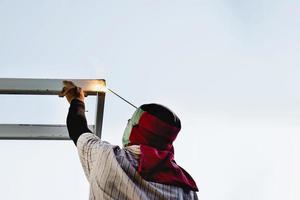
{"type": "Point", "coordinates": [121, 97]}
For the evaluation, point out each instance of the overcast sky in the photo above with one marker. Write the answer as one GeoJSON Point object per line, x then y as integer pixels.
{"type": "Point", "coordinates": [228, 68]}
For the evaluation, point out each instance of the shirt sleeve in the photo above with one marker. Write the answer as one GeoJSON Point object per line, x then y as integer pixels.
{"type": "Point", "coordinates": [91, 149]}
{"type": "Point", "coordinates": [76, 120]}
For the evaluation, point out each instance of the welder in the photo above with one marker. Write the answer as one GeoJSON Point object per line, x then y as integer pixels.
{"type": "Point", "coordinates": [144, 168]}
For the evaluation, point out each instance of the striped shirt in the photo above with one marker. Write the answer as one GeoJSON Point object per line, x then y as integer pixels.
{"type": "Point", "coordinates": [111, 172]}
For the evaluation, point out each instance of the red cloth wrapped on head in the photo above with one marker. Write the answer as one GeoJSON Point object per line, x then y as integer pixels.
{"type": "Point", "coordinates": [156, 162]}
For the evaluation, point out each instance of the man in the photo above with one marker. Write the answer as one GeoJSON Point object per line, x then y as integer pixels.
{"type": "Point", "coordinates": [144, 168]}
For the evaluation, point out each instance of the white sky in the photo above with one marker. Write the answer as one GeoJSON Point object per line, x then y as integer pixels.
{"type": "Point", "coordinates": [229, 69]}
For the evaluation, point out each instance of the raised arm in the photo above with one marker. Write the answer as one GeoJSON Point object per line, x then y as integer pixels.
{"type": "Point", "coordinates": [76, 120]}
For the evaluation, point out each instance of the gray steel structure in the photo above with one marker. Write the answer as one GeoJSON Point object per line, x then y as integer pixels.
{"type": "Point", "coordinates": [18, 86]}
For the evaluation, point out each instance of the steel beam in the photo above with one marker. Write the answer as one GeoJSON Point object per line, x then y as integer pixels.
{"type": "Point", "coordinates": [48, 87]}
{"type": "Point", "coordinates": [34, 132]}
{"type": "Point", "coordinates": [99, 114]}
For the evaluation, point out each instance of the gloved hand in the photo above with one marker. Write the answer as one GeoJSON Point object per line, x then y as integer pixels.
{"type": "Point", "coordinates": [71, 91]}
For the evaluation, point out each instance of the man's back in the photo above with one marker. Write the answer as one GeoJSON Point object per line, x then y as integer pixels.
{"type": "Point", "coordinates": [112, 173]}
{"type": "Point", "coordinates": [115, 173]}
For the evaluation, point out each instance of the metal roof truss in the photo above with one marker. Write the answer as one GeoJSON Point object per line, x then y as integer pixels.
{"type": "Point", "coordinates": [48, 87]}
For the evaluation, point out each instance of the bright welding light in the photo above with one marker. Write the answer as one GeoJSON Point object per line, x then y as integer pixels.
{"type": "Point", "coordinates": [100, 88]}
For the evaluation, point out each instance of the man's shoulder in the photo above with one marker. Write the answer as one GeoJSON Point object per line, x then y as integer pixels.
{"type": "Point", "coordinates": [92, 141]}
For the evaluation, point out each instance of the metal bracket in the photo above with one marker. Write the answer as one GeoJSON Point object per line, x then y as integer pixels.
{"type": "Point", "coordinates": [92, 87]}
